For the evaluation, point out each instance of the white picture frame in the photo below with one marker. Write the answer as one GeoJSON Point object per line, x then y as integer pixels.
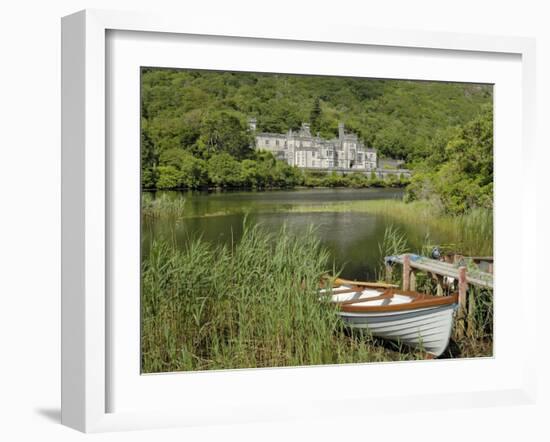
{"type": "Point", "coordinates": [87, 205]}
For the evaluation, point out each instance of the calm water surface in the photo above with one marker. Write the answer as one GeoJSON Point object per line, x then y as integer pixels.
{"type": "Point", "coordinates": [352, 238]}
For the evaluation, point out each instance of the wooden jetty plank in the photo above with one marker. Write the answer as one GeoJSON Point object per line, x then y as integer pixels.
{"type": "Point", "coordinates": [475, 277]}
{"type": "Point", "coordinates": [439, 266]}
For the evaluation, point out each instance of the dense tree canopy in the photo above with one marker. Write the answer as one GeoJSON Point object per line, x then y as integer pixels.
{"type": "Point", "coordinates": [196, 110]}
{"type": "Point", "coordinates": [458, 175]}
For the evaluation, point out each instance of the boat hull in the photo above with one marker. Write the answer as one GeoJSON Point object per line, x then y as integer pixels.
{"type": "Point", "coordinates": [427, 328]}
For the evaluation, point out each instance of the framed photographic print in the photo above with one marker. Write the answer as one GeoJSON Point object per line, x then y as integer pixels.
{"type": "Point", "coordinates": [251, 214]}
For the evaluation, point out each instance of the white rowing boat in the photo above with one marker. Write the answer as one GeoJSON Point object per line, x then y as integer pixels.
{"type": "Point", "coordinates": [412, 318]}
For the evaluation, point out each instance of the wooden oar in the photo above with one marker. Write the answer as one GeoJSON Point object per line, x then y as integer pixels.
{"type": "Point", "coordinates": [376, 285]}
{"type": "Point", "coordinates": [342, 292]}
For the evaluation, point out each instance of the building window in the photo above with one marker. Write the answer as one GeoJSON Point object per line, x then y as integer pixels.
{"type": "Point", "coordinates": [276, 142]}
{"type": "Point", "coordinates": [267, 142]}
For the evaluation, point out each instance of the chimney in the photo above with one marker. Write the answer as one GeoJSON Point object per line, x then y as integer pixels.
{"type": "Point", "coordinates": [252, 124]}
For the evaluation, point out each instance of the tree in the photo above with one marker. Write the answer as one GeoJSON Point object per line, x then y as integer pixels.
{"type": "Point", "coordinates": [149, 159]}
{"type": "Point", "coordinates": [465, 179]}
{"type": "Point", "coordinates": [174, 157]}
{"type": "Point", "coordinates": [149, 178]}
{"type": "Point", "coordinates": [191, 171]}
{"type": "Point", "coordinates": [472, 148]}
{"type": "Point", "coordinates": [315, 116]}
{"type": "Point", "coordinates": [222, 131]}
{"type": "Point", "coordinates": [224, 170]}
{"type": "Point", "coordinates": [250, 176]}
{"type": "Point", "coordinates": [393, 140]}
{"type": "Point", "coordinates": [194, 173]}
{"type": "Point", "coordinates": [285, 175]}
{"type": "Point", "coordinates": [169, 177]}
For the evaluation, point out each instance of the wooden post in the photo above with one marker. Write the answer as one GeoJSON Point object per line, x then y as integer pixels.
{"type": "Point", "coordinates": [406, 272]}
{"type": "Point", "coordinates": [471, 313]}
{"type": "Point", "coordinates": [412, 281]}
{"type": "Point", "coordinates": [439, 285]}
{"type": "Point", "coordinates": [389, 272]}
{"type": "Point", "coordinates": [462, 289]}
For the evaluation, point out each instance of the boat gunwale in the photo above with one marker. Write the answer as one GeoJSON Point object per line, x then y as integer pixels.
{"type": "Point", "coordinates": [419, 301]}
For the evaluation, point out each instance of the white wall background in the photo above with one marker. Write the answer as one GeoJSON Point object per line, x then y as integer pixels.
{"type": "Point", "coordinates": [30, 212]}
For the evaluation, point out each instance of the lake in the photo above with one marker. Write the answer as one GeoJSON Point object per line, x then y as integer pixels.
{"type": "Point", "coordinates": [352, 238]}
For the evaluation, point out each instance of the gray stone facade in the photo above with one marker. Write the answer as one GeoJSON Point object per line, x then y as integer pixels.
{"type": "Point", "coordinates": [304, 150]}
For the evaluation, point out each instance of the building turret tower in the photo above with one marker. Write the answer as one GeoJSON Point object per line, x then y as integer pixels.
{"type": "Point", "coordinates": [341, 131]}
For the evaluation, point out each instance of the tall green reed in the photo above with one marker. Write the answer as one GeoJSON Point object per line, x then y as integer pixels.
{"type": "Point", "coordinates": [161, 206]}
{"type": "Point", "coordinates": [255, 304]}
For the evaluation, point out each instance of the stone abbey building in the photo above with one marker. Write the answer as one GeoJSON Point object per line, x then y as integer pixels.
{"type": "Point", "coordinates": [302, 149]}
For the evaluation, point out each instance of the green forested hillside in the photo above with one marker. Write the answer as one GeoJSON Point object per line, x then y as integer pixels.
{"type": "Point", "coordinates": [458, 173]}
{"type": "Point", "coordinates": [397, 117]}
{"type": "Point", "coordinates": [194, 123]}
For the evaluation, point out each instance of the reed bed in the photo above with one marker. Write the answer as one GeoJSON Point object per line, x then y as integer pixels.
{"type": "Point", "coordinates": [471, 233]}
{"type": "Point", "coordinates": [255, 304]}
{"type": "Point", "coordinates": [161, 207]}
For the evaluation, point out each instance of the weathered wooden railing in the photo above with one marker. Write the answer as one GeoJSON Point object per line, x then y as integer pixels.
{"type": "Point", "coordinates": [439, 270]}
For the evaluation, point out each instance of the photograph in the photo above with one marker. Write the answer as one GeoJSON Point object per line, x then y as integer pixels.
{"type": "Point", "coordinates": [302, 220]}
{"type": "Point", "coordinates": [243, 221]}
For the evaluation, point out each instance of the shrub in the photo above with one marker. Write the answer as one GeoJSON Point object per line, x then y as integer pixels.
{"type": "Point", "coordinates": [225, 171]}
{"type": "Point", "coordinates": [169, 177]}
